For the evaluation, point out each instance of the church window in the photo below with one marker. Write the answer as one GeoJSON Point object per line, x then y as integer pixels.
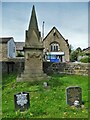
{"type": "Point", "coordinates": [54, 47]}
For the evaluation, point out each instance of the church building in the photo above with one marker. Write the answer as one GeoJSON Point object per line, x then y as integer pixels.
{"type": "Point", "coordinates": [56, 47]}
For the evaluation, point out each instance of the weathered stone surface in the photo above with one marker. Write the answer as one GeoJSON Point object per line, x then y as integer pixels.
{"type": "Point", "coordinates": [73, 95]}
{"type": "Point", "coordinates": [55, 37]}
{"type": "Point", "coordinates": [33, 53]}
{"type": "Point", "coordinates": [67, 68]}
{"type": "Point", "coordinates": [3, 52]}
{"type": "Point", "coordinates": [48, 68]}
{"type": "Point", "coordinates": [12, 66]}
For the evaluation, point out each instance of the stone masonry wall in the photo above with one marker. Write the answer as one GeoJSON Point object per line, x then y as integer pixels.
{"type": "Point", "coordinates": [12, 66]}
{"type": "Point", "coordinates": [49, 68]}
{"type": "Point", "coordinates": [63, 46]}
{"type": "Point", "coordinates": [67, 68]}
{"type": "Point", "coordinates": [4, 52]}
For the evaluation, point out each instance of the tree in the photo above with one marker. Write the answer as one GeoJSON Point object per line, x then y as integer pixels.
{"type": "Point", "coordinates": [70, 48]}
{"type": "Point", "coordinates": [78, 50]}
{"type": "Point", "coordinates": [74, 54]}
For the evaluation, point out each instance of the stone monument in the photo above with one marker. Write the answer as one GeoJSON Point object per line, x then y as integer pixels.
{"type": "Point", "coordinates": [33, 52]}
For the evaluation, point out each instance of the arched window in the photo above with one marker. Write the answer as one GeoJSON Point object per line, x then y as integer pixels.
{"type": "Point", "coordinates": [54, 47]}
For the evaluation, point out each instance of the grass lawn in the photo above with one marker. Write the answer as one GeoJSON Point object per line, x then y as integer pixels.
{"type": "Point", "coordinates": [44, 103]}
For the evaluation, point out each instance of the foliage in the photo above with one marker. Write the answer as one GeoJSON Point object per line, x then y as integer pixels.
{"type": "Point", "coordinates": [85, 60]}
{"type": "Point", "coordinates": [20, 55]}
{"type": "Point", "coordinates": [44, 103]}
{"type": "Point", "coordinates": [70, 48]}
{"type": "Point", "coordinates": [74, 54]}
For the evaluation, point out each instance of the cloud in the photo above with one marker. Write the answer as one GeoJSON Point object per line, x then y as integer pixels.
{"type": "Point", "coordinates": [45, 1]}
{"type": "Point", "coordinates": [71, 19]}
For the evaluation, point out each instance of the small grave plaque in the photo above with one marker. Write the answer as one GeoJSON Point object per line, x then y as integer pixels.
{"type": "Point", "coordinates": [73, 95]}
{"type": "Point", "coordinates": [21, 101]}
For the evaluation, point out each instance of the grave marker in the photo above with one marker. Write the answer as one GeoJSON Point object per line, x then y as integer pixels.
{"type": "Point", "coordinates": [74, 95]}
{"type": "Point", "coordinates": [21, 101]}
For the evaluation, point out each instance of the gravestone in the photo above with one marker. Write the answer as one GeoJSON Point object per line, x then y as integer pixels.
{"type": "Point", "coordinates": [33, 53]}
{"type": "Point", "coordinates": [74, 95]}
{"type": "Point", "coordinates": [22, 101]}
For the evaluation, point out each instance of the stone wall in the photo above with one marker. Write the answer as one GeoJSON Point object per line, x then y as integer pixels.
{"type": "Point", "coordinates": [12, 66]}
{"type": "Point", "coordinates": [67, 68]}
{"type": "Point", "coordinates": [3, 51]}
{"type": "Point", "coordinates": [49, 68]}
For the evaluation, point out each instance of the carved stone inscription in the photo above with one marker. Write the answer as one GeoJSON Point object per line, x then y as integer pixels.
{"type": "Point", "coordinates": [73, 93]}
{"type": "Point", "coordinates": [21, 101]}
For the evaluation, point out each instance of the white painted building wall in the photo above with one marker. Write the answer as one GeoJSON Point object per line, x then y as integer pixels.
{"type": "Point", "coordinates": [11, 49]}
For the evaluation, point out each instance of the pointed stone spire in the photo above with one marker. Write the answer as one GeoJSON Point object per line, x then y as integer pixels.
{"type": "Point", "coordinates": [33, 21]}
{"type": "Point", "coordinates": [33, 25]}
{"type": "Point", "coordinates": [33, 35]}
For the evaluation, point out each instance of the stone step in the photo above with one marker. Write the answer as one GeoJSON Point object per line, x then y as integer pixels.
{"type": "Point", "coordinates": [31, 79]}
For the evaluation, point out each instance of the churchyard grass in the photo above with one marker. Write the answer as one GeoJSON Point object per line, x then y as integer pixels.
{"type": "Point", "coordinates": [44, 103]}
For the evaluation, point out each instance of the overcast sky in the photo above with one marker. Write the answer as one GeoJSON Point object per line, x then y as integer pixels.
{"type": "Point", "coordinates": [45, 0]}
{"type": "Point", "coordinates": [70, 18]}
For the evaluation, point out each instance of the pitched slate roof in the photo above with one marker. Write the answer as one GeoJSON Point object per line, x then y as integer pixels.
{"type": "Point", "coordinates": [66, 40]}
{"type": "Point", "coordinates": [19, 45]}
{"type": "Point", "coordinates": [5, 39]}
{"type": "Point", "coordinates": [51, 31]}
{"type": "Point", "coordinates": [87, 50]}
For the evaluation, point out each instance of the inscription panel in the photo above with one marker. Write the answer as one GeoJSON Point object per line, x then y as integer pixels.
{"type": "Point", "coordinates": [73, 93]}
{"type": "Point", "coordinates": [21, 101]}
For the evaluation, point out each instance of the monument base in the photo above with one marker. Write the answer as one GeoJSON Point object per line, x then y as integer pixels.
{"type": "Point", "coordinates": [32, 77]}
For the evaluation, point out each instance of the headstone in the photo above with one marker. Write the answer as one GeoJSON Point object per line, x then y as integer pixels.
{"type": "Point", "coordinates": [74, 95]}
{"type": "Point", "coordinates": [22, 101]}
